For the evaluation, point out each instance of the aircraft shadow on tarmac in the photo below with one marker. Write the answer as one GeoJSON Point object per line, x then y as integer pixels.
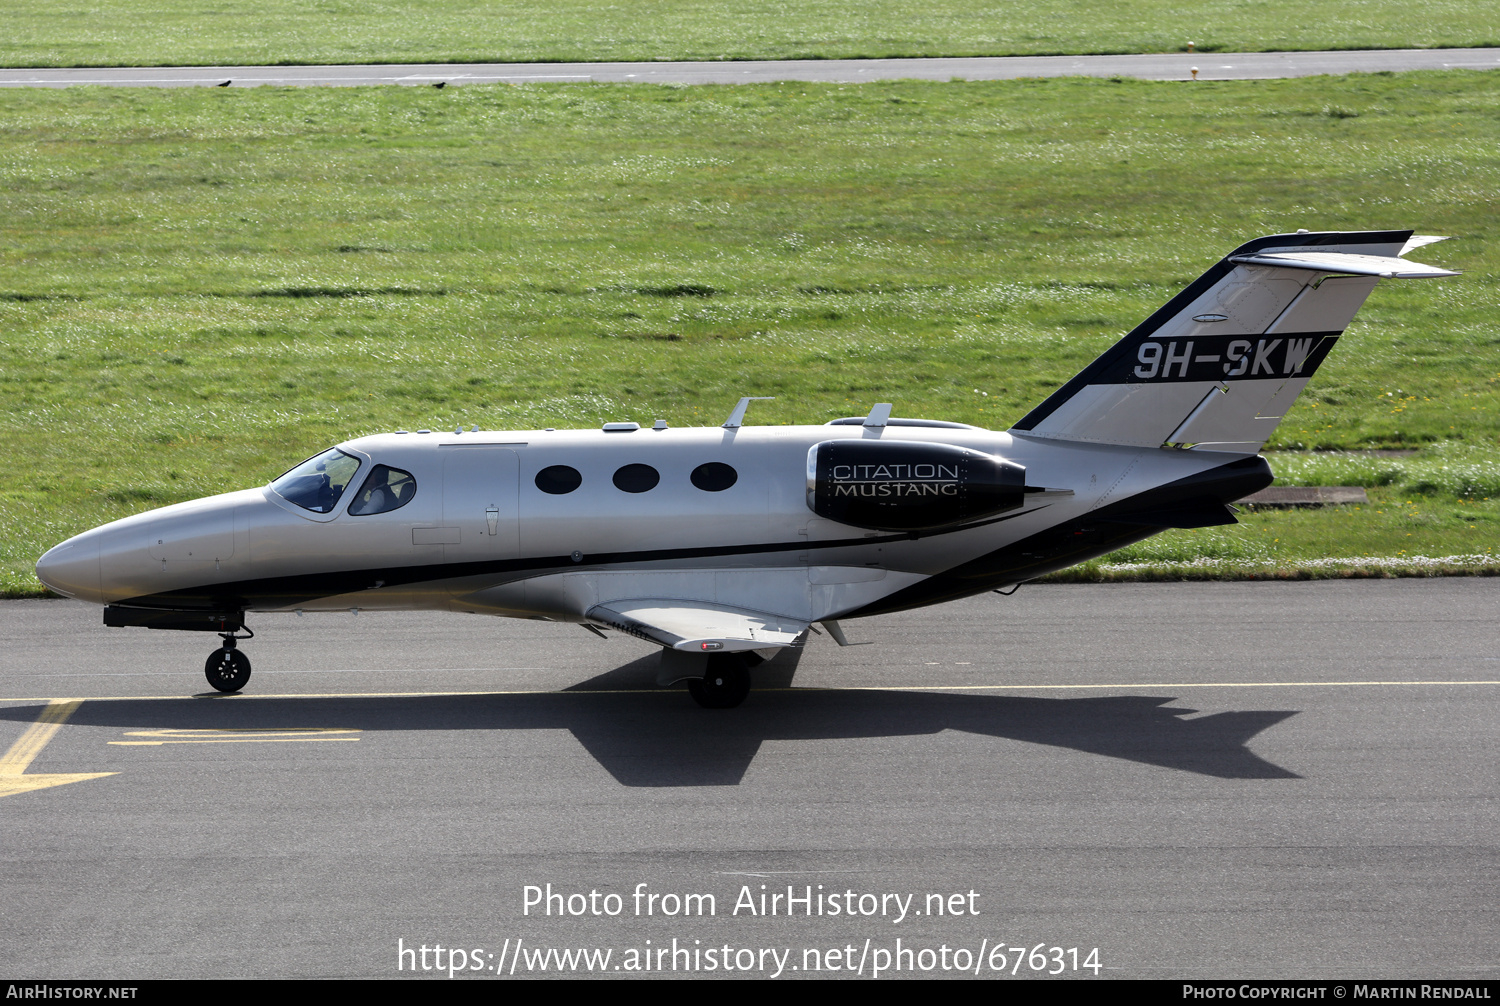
{"type": "Point", "coordinates": [645, 736]}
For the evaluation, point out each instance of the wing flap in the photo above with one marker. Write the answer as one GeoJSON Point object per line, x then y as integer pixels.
{"type": "Point", "coordinates": [696, 626]}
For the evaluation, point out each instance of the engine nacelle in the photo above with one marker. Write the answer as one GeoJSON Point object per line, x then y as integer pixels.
{"type": "Point", "coordinates": [905, 485]}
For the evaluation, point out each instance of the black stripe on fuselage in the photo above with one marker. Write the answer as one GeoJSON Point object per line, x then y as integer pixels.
{"type": "Point", "coordinates": [287, 591]}
{"type": "Point", "coordinates": [1081, 539]}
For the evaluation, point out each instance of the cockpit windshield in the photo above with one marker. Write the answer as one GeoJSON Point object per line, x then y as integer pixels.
{"type": "Point", "coordinates": [317, 483]}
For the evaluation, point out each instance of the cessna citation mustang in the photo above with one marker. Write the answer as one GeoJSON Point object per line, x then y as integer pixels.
{"type": "Point", "coordinates": [723, 545]}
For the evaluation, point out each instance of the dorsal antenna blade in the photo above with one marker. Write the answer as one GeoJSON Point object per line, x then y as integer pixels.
{"type": "Point", "coordinates": [737, 417]}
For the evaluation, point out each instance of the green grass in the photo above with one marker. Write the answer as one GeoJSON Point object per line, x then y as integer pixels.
{"type": "Point", "coordinates": [158, 32]}
{"type": "Point", "coordinates": [202, 287]}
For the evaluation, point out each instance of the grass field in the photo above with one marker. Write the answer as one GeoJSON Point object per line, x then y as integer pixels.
{"type": "Point", "coordinates": [162, 32]}
{"type": "Point", "coordinates": [202, 287]}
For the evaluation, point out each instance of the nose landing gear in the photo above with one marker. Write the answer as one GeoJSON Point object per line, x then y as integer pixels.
{"type": "Point", "coordinates": [227, 669]}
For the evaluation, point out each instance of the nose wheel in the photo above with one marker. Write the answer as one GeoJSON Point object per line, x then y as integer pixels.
{"type": "Point", "coordinates": [227, 669]}
{"type": "Point", "coordinates": [724, 685]}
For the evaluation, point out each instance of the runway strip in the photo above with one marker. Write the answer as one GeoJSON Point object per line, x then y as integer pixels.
{"type": "Point", "coordinates": [1145, 66]}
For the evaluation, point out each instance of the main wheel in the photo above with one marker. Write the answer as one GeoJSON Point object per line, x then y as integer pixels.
{"type": "Point", "coordinates": [724, 685]}
{"type": "Point", "coordinates": [227, 670]}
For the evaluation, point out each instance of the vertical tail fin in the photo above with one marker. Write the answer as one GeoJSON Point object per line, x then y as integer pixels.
{"type": "Point", "coordinates": [1218, 366]}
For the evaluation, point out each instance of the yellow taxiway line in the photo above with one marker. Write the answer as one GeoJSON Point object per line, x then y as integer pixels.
{"type": "Point", "coordinates": [236, 735]}
{"type": "Point", "coordinates": [13, 763]}
{"type": "Point", "coordinates": [1096, 686]}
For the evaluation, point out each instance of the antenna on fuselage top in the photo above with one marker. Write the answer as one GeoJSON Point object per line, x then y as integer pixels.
{"type": "Point", "coordinates": [737, 417]}
{"type": "Point", "coordinates": [878, 415]}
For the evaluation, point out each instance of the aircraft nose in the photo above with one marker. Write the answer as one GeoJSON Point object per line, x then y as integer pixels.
{"type": "Point", "coordinates": [72, 568]}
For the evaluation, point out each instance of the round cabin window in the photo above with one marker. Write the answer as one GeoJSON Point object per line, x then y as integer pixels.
{"type": "Point", "coordinates": [637, 478]}
{"type": "Point", "coordinates": [714, 477]}
{"type": "Point", "coordinates": [558, 479]}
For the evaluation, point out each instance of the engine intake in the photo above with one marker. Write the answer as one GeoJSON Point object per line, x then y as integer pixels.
{"type": "Point", "coordinates": [903, 485]}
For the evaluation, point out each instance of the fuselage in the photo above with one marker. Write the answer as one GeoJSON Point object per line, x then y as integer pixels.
{"type": "Point", "coordinates": [487, 526]}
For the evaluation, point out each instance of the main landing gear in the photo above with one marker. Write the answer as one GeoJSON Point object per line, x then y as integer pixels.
{"type": "Point", "coordinates": [227, 669]}
{"type": "Point", "coordinates": [724, 684]}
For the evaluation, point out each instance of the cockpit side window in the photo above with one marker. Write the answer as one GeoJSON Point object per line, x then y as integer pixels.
{"type": "Point", "coordinates": [317, 483]}
{"type": "Point", "coordinates": [385, 490]}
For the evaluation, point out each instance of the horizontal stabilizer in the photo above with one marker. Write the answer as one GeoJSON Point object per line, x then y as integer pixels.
{"type": "Point", "coordinates": [1345, 264]}
{"type": "Point", "coordinates": [695, 626]}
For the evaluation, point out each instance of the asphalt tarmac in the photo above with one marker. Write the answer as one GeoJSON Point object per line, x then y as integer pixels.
{"type": "Point", "coordinates": [1230, 781]}
{"type": "Point", "coordinates": [1147, 66]}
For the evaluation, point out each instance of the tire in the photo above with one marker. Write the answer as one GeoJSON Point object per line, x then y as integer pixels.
{"type": "Point", "coordinates": [724, 685]}
{"type": "Point", "coordinates": [227, 670]}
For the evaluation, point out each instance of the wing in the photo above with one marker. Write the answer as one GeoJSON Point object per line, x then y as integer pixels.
{"type": "Point", "coordinates": [696, 626]}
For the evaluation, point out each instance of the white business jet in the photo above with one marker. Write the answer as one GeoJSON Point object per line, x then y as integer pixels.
{"type": "Point", "coordinates": [724, 545]}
